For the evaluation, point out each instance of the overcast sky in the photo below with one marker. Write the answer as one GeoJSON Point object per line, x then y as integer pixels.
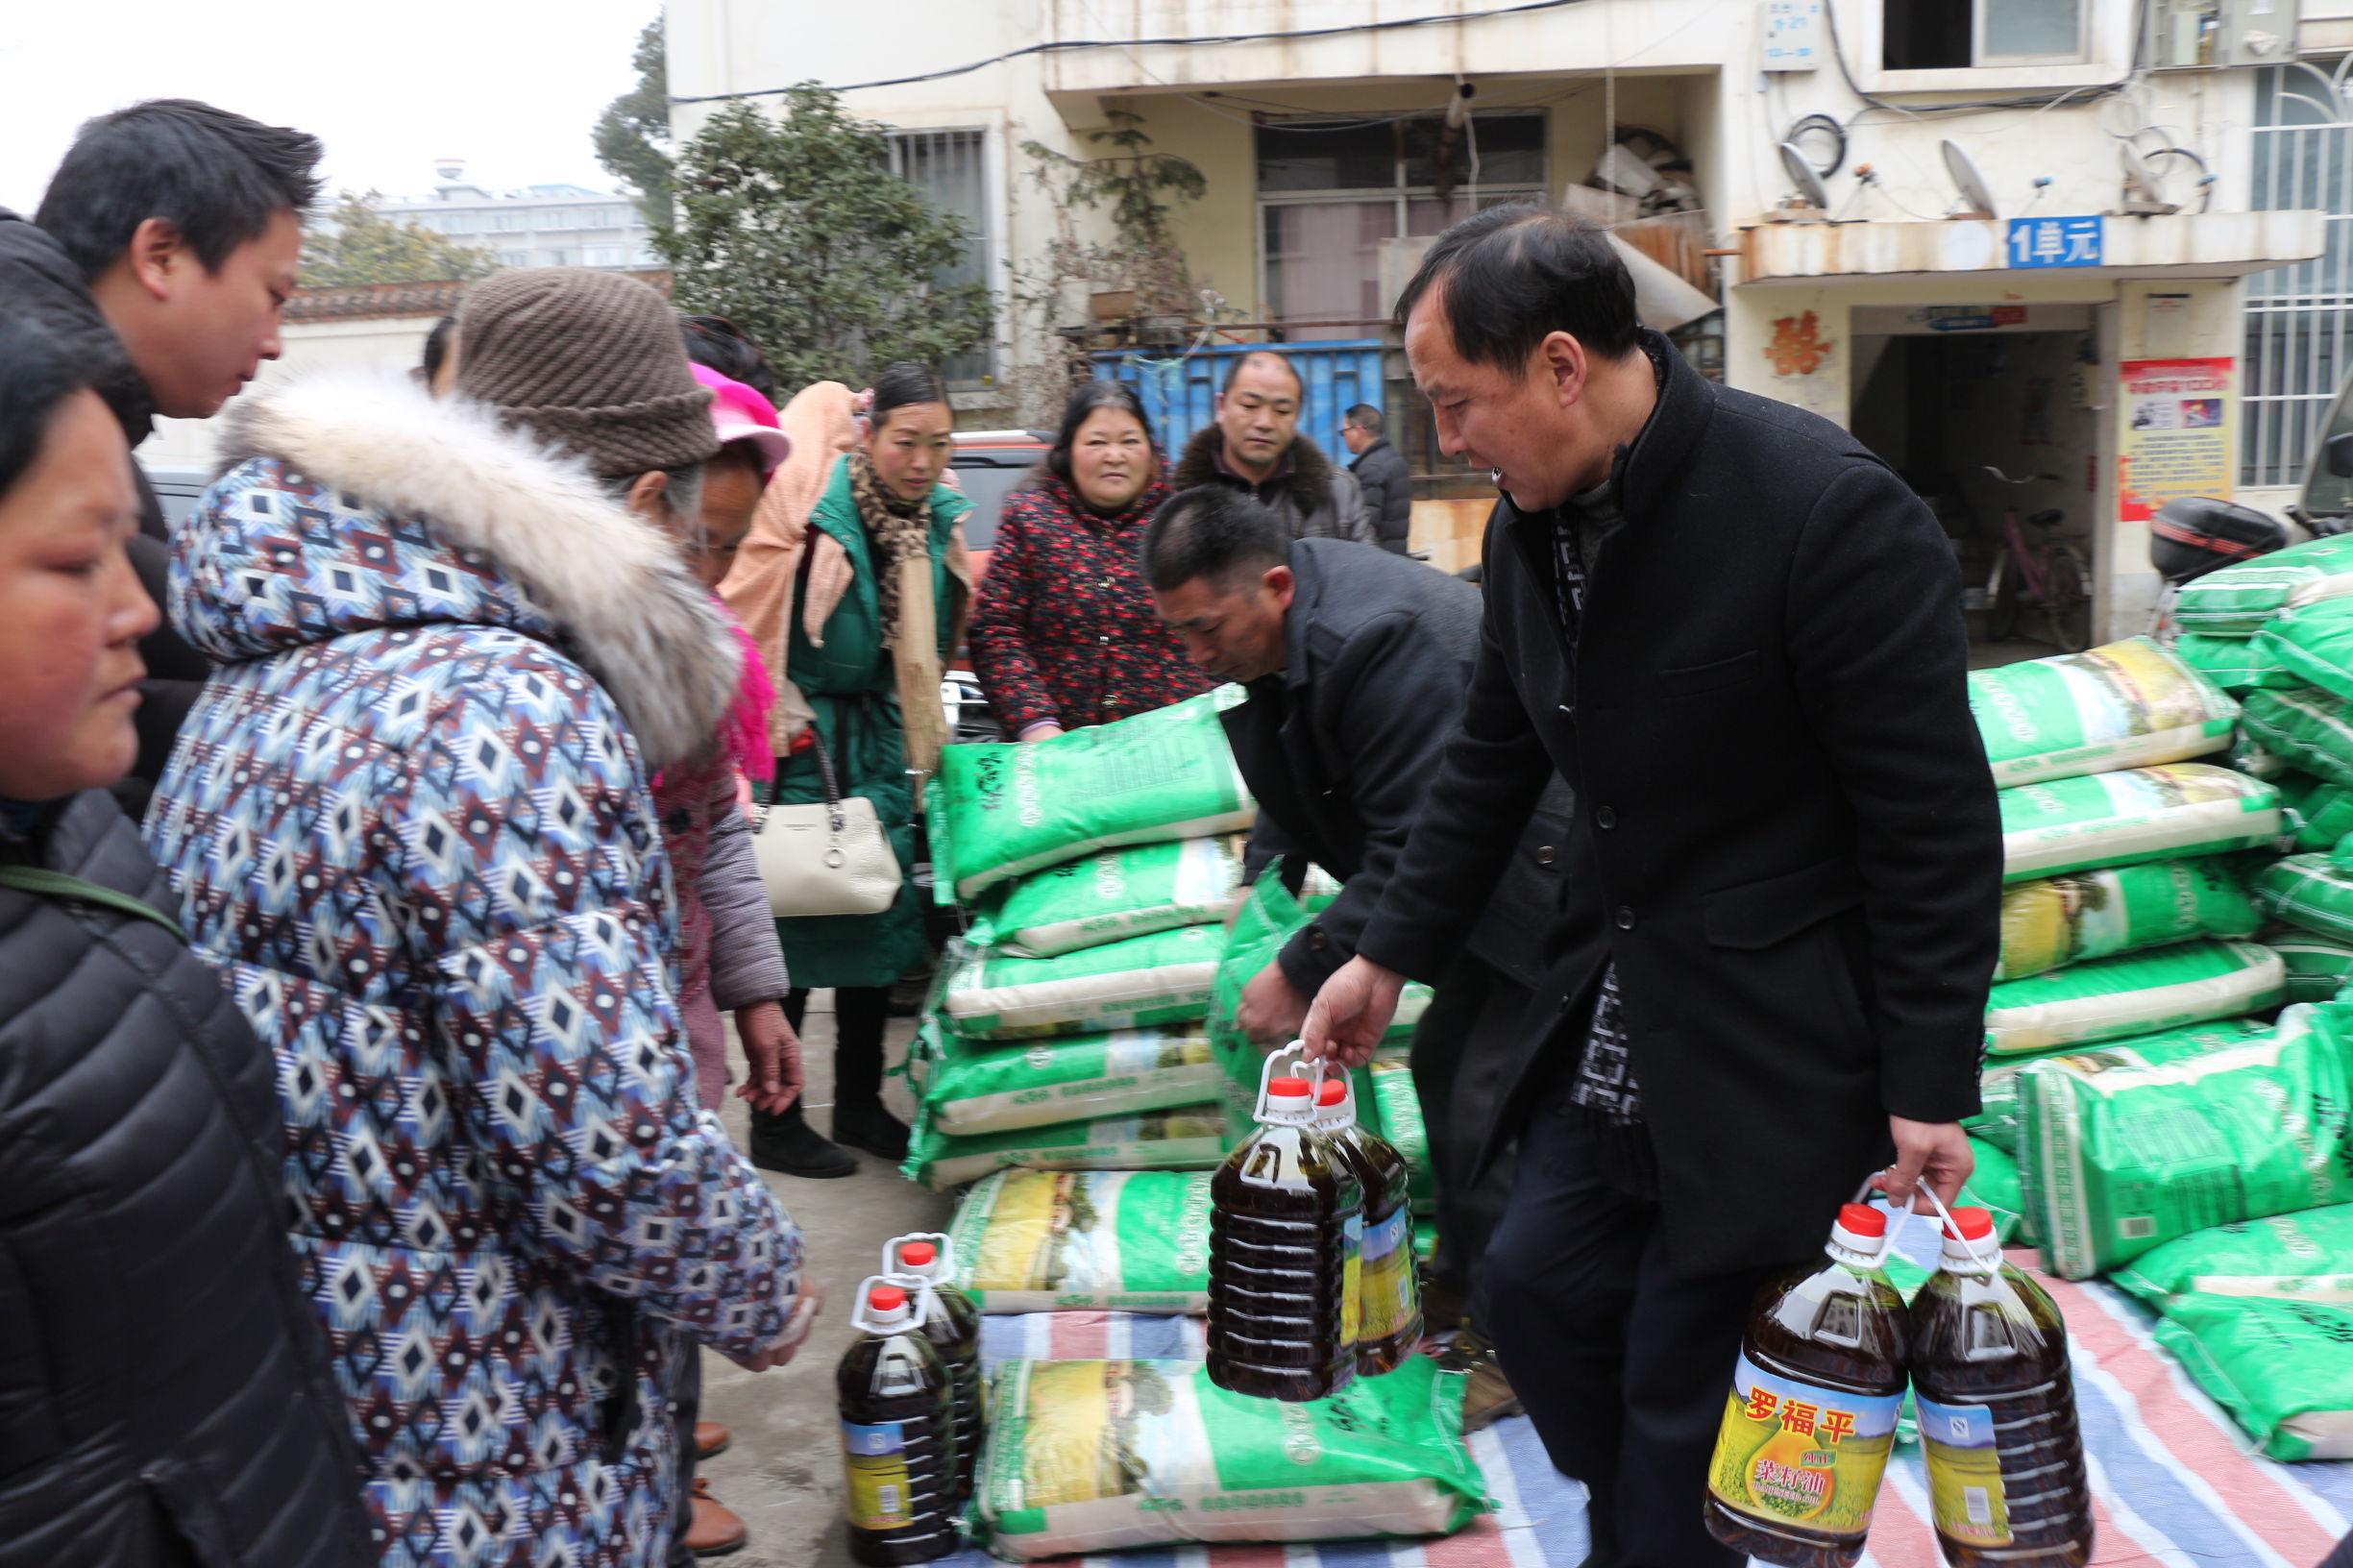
{"type": "Point", "coordinates": [510, 85]}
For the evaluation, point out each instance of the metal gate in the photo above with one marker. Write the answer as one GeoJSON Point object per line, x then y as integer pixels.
{"type": "Point", "coordinates": [2298, 317]}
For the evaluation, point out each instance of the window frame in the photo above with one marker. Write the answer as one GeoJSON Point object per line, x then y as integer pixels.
{"type": "Point", "coordinates": [991, 242]}
{"type": "Point", "coordinates": [1398, 191]}
{"type": "Point", "coordinates": [2104, 35]}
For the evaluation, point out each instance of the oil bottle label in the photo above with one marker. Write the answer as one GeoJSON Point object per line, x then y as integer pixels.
{"type": "Point", "coordinates": [1964, 1471]}
{"type": "Point", "coordinates": [1352, 1281]}
{"type": "Point", "coordinates": [874, 1461]}
{"type": "Point", "coordinates": [1792, 1453]}
{"type": "Point", "coordinates": [1388, 1286]}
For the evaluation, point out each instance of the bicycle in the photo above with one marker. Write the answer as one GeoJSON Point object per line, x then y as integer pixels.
{"type": "Point", "coordinates": [2049, 577]}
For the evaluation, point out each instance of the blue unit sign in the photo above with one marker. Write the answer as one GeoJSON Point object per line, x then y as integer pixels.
{"type": "Point", "coordinates": [2056, 242]}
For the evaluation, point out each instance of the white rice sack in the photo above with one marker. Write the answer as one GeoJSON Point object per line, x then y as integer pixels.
{"type": "Point", "coordinates": [2139, 994]}
{"type": "Point", "coordinates": [2167, 813]}
{"type": "Point", "coordinates": [1086, 1240]}
{"type": "Point", "coordinates": [1129, 891]}
{"type": "Point", "coordinates": [1141, 983]}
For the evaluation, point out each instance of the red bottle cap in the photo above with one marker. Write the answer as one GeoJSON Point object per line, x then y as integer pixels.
{"type": "Point", "coordinates": [1862, 1219]}
{"type": "Point", "coordinates": [919, 1254]}
{"type": "Point", "coordinates": [888, 1298]}
{"type": "Point", "coordinates": [1333, 1092]}
{"type": "Point", "coordinates": [1976, 1225]}
{"type": "Point", "coordinates": [1287, 1088]}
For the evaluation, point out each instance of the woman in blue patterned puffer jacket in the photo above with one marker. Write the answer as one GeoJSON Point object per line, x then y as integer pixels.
{"type": "Point", "coordinates": [410, 822]}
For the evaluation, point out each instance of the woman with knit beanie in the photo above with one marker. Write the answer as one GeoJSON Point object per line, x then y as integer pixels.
{"type": "Point", "coordinates": [855, 583]}
{"type": "Point", "coordinates": [411, 821]}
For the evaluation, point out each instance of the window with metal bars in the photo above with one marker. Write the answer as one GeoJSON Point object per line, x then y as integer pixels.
{"type": "Point", "coordinates": [2299, 317]}
{"type": "Point", "coordinates": [951, 169]}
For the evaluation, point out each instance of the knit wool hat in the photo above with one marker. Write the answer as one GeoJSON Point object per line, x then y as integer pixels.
{"type": "Point", "coordinates": [588, 361]}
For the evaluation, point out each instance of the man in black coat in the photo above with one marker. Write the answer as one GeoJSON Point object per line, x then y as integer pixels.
{"type": "Point", "coordinates": [173, 229]}
{"type": "Point", "coordinates": [1739, 637]}
{"type": "Point", "coordinates": [1354, 660]}
{"type": "Point", "coordinates": [1383, 476]}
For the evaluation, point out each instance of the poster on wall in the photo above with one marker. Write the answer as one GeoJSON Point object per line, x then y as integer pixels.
{"type": "Point", "coordinates": [2176, 437]}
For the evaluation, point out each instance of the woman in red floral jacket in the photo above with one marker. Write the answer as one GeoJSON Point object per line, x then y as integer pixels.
{"type": "Point", "coordinates": [1063, 631]}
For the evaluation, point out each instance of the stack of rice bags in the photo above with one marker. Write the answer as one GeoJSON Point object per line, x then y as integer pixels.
{"type": "Point", "coordinates": [2125, 912]}
{"type": "Point", "coordinates": [1066, 1028]}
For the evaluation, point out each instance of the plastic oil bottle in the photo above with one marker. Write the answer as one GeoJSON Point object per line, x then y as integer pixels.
{"type": "Point", "coordinates": [1389, 1315]}
{"type": "Point", "coordinates": [952, 1325]}
{"type": "Point", "coordinates": [1281, 1209]}
{"type": "Point", "coordinates": [898, 1432]}
{"type": "Point", "coordinates": [1811, 1419]}
{"type": "Point", "coordinates": [1998, 1421]}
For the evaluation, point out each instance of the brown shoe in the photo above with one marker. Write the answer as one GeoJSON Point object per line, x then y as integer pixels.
{"type": "Point", "coordinates": [710, 1437]}
{"type": "Point", "coordinates": [717, 1530]}
{"type": "Point", "coordinates": [1487, 1398]}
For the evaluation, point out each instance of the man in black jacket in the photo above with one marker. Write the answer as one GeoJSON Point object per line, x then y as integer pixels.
{"type": "Point", "coordinates": [1354, 660]}
{"type": "Point", "coordinates": [184, 224]}
{"type": "Point", "coordinates": [1383, 476]}
{"type": "Point", "coordinates": [1739, 637]}
{"type": "Point", "coordinates": [1254, 446]}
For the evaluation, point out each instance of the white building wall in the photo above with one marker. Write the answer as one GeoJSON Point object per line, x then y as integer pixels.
{"type": "Point", "coordinates": [391, 345]}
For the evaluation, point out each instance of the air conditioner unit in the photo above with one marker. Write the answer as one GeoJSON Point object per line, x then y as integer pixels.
{"type": "Point", "coordinates": [2209, 35]}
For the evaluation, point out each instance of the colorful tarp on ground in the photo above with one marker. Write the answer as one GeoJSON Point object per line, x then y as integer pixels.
{"type": "Point", "coordinates": [2196, 1496]}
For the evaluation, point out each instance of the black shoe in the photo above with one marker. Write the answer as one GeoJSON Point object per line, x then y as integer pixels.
{"type": "Point", "coordinates": [872, 1129]}
{"type": "Point", "coordinates": [909, 993]}
{"type": "Point", "coordinates": [788, 1146]}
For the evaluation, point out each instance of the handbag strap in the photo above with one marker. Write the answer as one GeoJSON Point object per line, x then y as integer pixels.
{"type": "Point", "coordinates": [827, 779]}
{"type": "Point", "coordinates": [42, 882]}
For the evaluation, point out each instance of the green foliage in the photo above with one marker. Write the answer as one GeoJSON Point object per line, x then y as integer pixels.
{"type": "Point", "coordinates": [632, 136]}
{"type": "Point", "coordinates": [1139, 184]}
{"type": "Point", "coordinates": [358, 244]}
{"type": "Point", "coordinates": [794, 227]}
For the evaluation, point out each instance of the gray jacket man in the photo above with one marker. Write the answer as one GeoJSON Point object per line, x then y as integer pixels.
{"type": "Point", "coordinates": [1356, 662]}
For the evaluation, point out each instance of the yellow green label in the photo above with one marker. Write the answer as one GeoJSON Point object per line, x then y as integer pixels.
{"type": "Point", "coordinates": [1964, 1471]}
{"type": "Point", "coordinates": [874, 1462]}
{"type": "Point", "coordinates": [1391, 1299]}
{"type": "Point", "coordinates": [1352, 1282]}
{"type": "Point", "coordinates": [1793, 1453]}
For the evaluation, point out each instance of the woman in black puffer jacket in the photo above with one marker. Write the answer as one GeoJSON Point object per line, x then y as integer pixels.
{"type": "Point", "coordinates": [165, 1396]}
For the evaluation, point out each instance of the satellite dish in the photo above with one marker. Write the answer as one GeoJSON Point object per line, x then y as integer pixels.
{"type": "Point", "coordinates": [1976, 202]}
{"type": "Point", "coordinates": [2144, 186]}
{"type": "Point", "coordinates": [1810, 190]}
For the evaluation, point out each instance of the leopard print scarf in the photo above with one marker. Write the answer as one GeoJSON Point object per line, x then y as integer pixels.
{"type": "Point", "coordinates": [901, 532]}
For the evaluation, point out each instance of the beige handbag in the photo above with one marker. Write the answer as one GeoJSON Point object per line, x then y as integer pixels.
{"type": "Point", "coordinates": [828, 857]}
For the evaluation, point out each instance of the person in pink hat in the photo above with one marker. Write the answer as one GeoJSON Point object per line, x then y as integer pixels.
{"type": "Point", "coordinates": [729, 958]}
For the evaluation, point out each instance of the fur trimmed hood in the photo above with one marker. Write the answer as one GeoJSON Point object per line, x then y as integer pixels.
{"type": "Point", "coordinates": [1309, 483]}
{"type": "Point", "coordinates": [351, 502]}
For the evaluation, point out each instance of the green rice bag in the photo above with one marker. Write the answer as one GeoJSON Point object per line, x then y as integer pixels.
{"type": "Point", "coordinates": [2321, 812]}
{"type": "Point", "coordinates": [2310, 892]}
{"type": "Point", "coordinates": [1398, 1111]}
{"type": "Point", "coordinates": [2236, 664]}
{"type": "Point", "coordinates": [1268, 917]}
{"type": "Point", "coordinates": [2105, 819]}
{"type": "Point", "coordinates": [2115, 998]}
{"type": "Point", "coordinates": [2237, 601]}
{"type": "Point", "coordinates": [1425, 1239]}
{"type": "Point", "coordinates": [2284, 1370]}
{"type": "Point", "coordinates": [2053, 921]}
{"type": "Point", "coordinates": [968, 1088]}
{"type": "Point", "coordinates": [2121, 1152]}
{"type": "Point", "coordinates": [1142, 982]}
{"type": "Point", "coordinates": [2317, 967]}
{"type": "Point", "coordinates": [2128, 704]}
{"type": "Point", "coordinates": [2315, 644]}
{"type": "Point", "coordinates": [1129, 891]}
{"type": "Point", "coordinates": [1994, 1187]}
{"type": "Point", "coordinates": [1008, 810]}
{"type": "Point", "coordinates": [1095, 1456]}
{"type": "Point", "coordinates": [1044, 1240]}
{"type": "Point", "coordinates": [2309, 728]}
{"type": "Point", "coordinates": [1998, 1121]}
{"type": "Point", "coordinates": [2255, 762]}
{"type": "Point", "coordinates": [1190, 1137]}
{"type": "Point", "coordinates": [2301, 1257]}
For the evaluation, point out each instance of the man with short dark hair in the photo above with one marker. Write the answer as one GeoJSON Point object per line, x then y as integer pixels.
{"type": "Point", "coordinates": [1254, 445]}
{"type": "Point", "coordinates": [1354, 660]}
{"type": "Point", "coordinates": [1383, 476]}
{"type": "Point", "coordinates": [1739, 637]}
{"type": "Point", "coordinates": [185, 222]}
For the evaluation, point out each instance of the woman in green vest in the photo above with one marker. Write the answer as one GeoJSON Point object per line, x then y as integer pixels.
{"type": "Point", "coordinates": [886, 536]}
